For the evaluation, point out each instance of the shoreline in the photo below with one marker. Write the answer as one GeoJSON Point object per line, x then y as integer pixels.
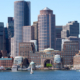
{"type": "Point", "coordinates": [37, 70]}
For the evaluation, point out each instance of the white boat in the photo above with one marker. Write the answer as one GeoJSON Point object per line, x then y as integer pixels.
{"type": "Point", "coordinates": [31, 70]}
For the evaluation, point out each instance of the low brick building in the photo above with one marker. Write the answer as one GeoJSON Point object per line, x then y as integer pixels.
{"type": "Point", "coordinates": [43, 57]}
{"type": "Point", "coordinates": [70, 48]}
{"type": "Point", "coordinates": [49, 56]}
{"type": "Point", "coordinates": [6, 62]}
{"type": "Point", "coordinates": [25, 48]}
{"type": "Point", "coordinates": [35, 57]}
{"type": "Point", "coordinates": [76, 61]}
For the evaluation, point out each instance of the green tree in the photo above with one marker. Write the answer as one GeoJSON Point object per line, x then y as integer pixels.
{"type": "Point", "coordinates": [48, 65]}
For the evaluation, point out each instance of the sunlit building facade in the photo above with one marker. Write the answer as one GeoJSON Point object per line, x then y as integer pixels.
{"type": "Point", "coordinates": [70, 48]}
{"type": "Point", "coordinates": [21, 18]}
{"type": "Point", "coordinates": [46, 29]}
{"type": "Point", "coordinates": [28, 33]}
{"type": "Point", "coordinates": [70, 29]}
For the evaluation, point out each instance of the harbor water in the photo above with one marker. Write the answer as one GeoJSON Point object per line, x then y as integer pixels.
{"type": "Point", "coordinates": [41, 75]}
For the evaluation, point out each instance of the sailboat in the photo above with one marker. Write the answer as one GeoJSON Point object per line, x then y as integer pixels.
{"type": "Point", "coordinates": [31, 70]}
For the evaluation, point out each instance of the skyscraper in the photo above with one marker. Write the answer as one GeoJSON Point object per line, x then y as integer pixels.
{"type": "Point", "coordinates": [70, 29]}
{"type": "Point", "coordinates": [46, 29]}
{"type": "Point", "coordinates": [21, 18]}
{"type": "Point", "coordinates": [58, 31]}
{"type": "Point", "coordinates": [9, 33]}
{"type": "Point", "coordinates": [2, 39]}
{"type": "Point", "coordinates": [10, 27]}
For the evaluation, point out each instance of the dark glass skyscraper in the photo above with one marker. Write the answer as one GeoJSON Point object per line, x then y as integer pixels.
{"type": "Point", "coordinates": [10, 27]}
{"type": "Point", "coordinates": [70, 29]}
{"type": "Point", "coordinates": [2, 39]}
{"type": "Point", "coordinates": [21, 18]}
{"type": "Point", "coordinates": [46, 29]}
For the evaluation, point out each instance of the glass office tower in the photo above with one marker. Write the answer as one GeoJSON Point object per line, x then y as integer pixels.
{"type": "Point", "coordinates": [21, 18]}
{"type": "Point", "coordinates": [46, 29]}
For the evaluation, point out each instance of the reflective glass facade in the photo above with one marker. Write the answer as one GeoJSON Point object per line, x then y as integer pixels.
{"type": "Point", "coordinates": [46, 30]}
{"type": "Point", "coordinates": [21, 18]}
{"type": "Point", "coordinates": [70, 29]}
{"type": "Point", "coordinates": [2, 39]}
{"type": "Point", "coordinates": [58, 31]}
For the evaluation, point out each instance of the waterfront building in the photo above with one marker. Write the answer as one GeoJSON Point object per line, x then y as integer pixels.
{"type": "Point", "coordinates": [76, 61]}
{"type": "Point", "coordinates": [21, 18]}
{"type": "Point", "coordinates": [35, 57]}
{"type": "Point", "coordinates": [70, 48]}
{"type": "Point", "coordinates": [53, 57]}
{"type": "Point", "coordinates": [70, 29]}
{"type": "Point", "coordinates": [6, 62]}
{"type": "Point", "coordinates": [58, 31]}
{"type": "Point", "coordinates": [46, 56]}
{"type": "Point", "coordinates": [57, 61]}
{"type": "Point", "coordinates": [46, 29]}
{"type": "Point", "coordinates": [28, 33]}
{"type": "Point", "coordinates": [25, 48]}
{"type": "Point", "coordinates": [20, 62]}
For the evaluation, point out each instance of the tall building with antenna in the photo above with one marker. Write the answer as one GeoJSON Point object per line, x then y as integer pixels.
{"type": "Point", "coordinates": [21, 18]}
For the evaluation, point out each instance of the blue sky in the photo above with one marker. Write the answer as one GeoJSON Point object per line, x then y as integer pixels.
{"type": "Point", "coordinates": [65, 10]}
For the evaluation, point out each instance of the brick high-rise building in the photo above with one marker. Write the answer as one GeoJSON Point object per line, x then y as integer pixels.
{"type": "Point", "coordinates": [46, 29]}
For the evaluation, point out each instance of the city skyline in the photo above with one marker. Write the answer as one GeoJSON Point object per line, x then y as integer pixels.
{"type": "Point", "coordinates": [65, 11]}
{"type": "Point", "coordinates": [37, 42]}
